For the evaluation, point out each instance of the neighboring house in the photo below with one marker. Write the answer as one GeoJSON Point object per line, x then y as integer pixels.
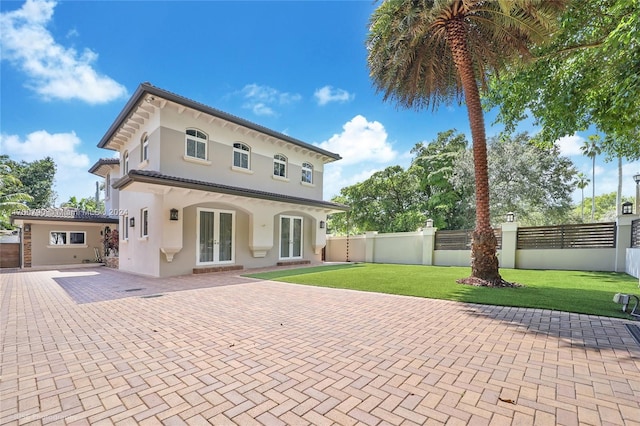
{"type": "Point", "coordinates": [61, 236]}
{"type": "Point", "coordinates": [200, 190]}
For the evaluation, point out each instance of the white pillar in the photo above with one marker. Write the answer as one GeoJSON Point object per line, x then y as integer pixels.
{"type": "Point", "coordinates": [428, 245]}
{"type": "Point", "coordinates": [509, 245]}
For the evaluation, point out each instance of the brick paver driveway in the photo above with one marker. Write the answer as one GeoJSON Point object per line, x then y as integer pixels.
{"type": "Point", "coordinates": [90, 347]}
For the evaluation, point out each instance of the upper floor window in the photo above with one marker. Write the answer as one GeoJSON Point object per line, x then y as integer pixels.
{"type": "Point", "coordinates": [125, 162]}
{"type": "Point", "coordinates": [125, 227]}
{"type": "Point", "coordinates": [280, 165]}
{"type": "Point", "coordinates": [241, 153]}
{"type": "Point", "coordinates": [196, 144]}
{"type": "Point", "coordinates": [307, 173]}
{"type": "Point", "coordinates": [144, 147]}
{"type": "Point", "coordinates": [107, 186]}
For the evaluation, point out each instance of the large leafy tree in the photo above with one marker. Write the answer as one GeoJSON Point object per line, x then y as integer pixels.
{"type": "Point", "coordinates": [85, 204]}
{"type": "Point", "coordinates": [425, 52]}
{"type": "Point", "coordinates": [445, 204]}
{"type": "Point", "coordinates": [534, 182]}
{"type": "Point", "coordinates": [35, 178]}
{"type": "Point", "coordinates": [388, 201]}
{"type": "Point", "coordinates": [588, 75]}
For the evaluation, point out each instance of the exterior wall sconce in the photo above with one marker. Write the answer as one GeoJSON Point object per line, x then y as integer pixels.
{"type": "Point", "coordinates": [27, 227]}
{"type": "Point", "coordinates": [322, 224]}
{"type": "Point", "coordinates": [429, 223]}
{"type": "Point", "coordinates": [132, 222]}
{"type": "Point", "coordinates": [627, 208]}
{"type": "Point", "coordinates": [173, 214]}
{"type": "Point", "coordinates": [510, 217]}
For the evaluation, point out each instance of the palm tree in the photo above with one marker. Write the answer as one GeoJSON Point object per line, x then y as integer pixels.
{"type": "Point", "coordinates": [582, 183]}
{"type": "Point", "coordinates": [591, 148]}
{"type": "Point", "coordinates": [424, 52]}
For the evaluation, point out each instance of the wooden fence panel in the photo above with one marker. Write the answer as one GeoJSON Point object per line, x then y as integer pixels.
{"type": "Point", "coordinates": [10, 255]}
{"type": "Point", "coordinates": [591, 235]}
{"type": "Point", "coordinates": [460, 240]}
{"type": "Point", "coordinates": [635, 233]}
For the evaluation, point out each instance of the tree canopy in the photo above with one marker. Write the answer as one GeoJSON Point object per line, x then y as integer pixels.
{"type": "Point", "coordinates": [588, 75]}
{"type": "Point", "coordinates": [34, 178]}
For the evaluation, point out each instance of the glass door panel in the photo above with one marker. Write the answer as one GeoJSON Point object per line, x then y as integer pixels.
{"type": "Point", "coordinates": [290, 237]}
{"type": "Point", "coordinates": [225, 237]}
{"type": "Point", "coordinates": [206, 236]}
{"type": "Point", "coordinates": [285, 231]}
{"type": "Point", "coordinates": [216, 234]}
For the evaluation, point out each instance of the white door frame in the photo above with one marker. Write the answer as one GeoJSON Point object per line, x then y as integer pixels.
{"type": "Point", "coordinates": [291, 237]}
{"type": "Point", "coordinates": [216, 236]}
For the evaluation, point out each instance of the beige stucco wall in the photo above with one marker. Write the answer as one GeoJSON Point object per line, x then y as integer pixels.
{"type": "Point", "coordinates": [570, 259]}
{"type": "Point", "coordinates": [403, 247]}
{"type": "Point", "coordinates": [337, 248]}
{"type": "Point", "coordinates": [43, 254]}
{"type": "Point", "coordinates": [219, 168]}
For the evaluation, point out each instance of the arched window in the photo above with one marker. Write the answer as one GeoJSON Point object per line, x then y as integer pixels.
{"type": "Point", "coordinates": [144, 147]}
{"type": "Point", "coordinates": [125, 163]}
{"type": "Point", "coordinates": [280, 165]}
{"type": "Point", "coordinates": [196, 144]}
{"type": "Point", "coordinates": [241, 156]}
{"type": "Point", "coordinates": [307, 173]}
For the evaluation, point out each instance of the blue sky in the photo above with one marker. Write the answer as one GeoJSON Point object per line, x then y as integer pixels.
{"type": "Point", "coordinates": [298, 67]}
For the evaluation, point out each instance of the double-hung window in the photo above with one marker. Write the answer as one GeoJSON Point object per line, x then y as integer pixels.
{"type": "Point", "coordinates": [125, 162]}
{"type": "Point", "coordinates": [196, 144]}
{"type": "Point", "coordinates": [307, 173]}
{"type": "Point", "coordinates": [125, 228]}
{"type": "Point", "coordinates": [280, 165]}
{"type": "Point", "coordinates": [241, 156]}
{"type": "Point", "coordinates": [107, 186]}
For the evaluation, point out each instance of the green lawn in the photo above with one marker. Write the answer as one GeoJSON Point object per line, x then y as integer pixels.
{"type": "Point", "coordinates": [570, 291]}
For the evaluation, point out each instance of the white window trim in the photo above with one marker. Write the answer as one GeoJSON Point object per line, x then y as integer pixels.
{"type": "Point", "coordinates": [197, 140]}
{"type": "Point", "coordinates": [311, 170]}
{"type": "Point", "coordinates": [196, 160]}
{"type": "Point", "coordinates": [243, 152]}
{"type": "Point", "coordinates": [144, 154]}
{"type": "Point", "coordinates": [125, 229]}
{"type": "Point", "coordinates": [280, 178]}
{"type": "Point", "coordinates": [68, 238]}
{"type": "Point", "coordinates": [284, 162]}
{"type": "Point", "coordinates": [142, 234]}
{"type": "Point", "coordinates": [125, 163]}
{"type": "Point", "coordinates": [233, 237]}
{"type": "Point", "coordinates": [143, 164]}
{"type": "Point", "coordinates": [301, 238]}
{"type": "Point", "coordinates": [242, 170]}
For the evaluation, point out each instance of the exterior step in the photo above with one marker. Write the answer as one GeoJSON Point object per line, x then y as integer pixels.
{"type": "Point", "coordinates": [209, 269]}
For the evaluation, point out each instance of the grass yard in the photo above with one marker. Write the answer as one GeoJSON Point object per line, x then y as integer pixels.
{"type": "Point", "coordinates": [570, 291]}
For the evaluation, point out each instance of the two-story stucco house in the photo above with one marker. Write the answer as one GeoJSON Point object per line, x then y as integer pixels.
{"type": "Point", "coordinates": [199, 190]}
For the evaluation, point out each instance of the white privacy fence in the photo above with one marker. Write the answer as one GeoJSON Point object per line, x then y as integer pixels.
{"type": "Point", "coordinates": [587, 247]}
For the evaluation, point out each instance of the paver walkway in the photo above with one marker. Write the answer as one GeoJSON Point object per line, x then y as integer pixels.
{"type": "Point", "coordinates": [232, 350]}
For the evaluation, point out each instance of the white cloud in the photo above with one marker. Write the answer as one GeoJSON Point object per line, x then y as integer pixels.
{"type": "Point", "coordinates": [328, 94]}
{"type": "Point", "coordinates": [54, 71]}
{"type": "Point", "coordinates": [361, 141]}
{"type": "Point", "coordinates": [62, 148]}
{"type": "Point", "coordinates": [570, 145]}
{"type": "Point", "coordinates": [261, 99]}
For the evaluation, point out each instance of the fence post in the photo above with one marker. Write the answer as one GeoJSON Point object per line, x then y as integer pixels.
{"type": "Point", "coordinates": [509, 245]}
{"type": "Point", "coordinates": [428, 244]}
{"type": "Point", "coordinates": [369, 241]}
{"type": "Point", "coordinates": [623, 240]}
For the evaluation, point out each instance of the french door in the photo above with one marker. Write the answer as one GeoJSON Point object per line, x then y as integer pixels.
{"type": "Point", "coordinates": [216, 236]}
{"type": "Point", "coordinates": [290, 237]}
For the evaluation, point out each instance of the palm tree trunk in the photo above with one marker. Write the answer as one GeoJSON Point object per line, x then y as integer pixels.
{"type": "Point", "coordinates": [593, 189]}
{"type": "Point", "coordinates": [582, 204]}
{"type": "Point", "coordinates": [484, 262]}
{"type": "Point", "coordinates": [619, 195]}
